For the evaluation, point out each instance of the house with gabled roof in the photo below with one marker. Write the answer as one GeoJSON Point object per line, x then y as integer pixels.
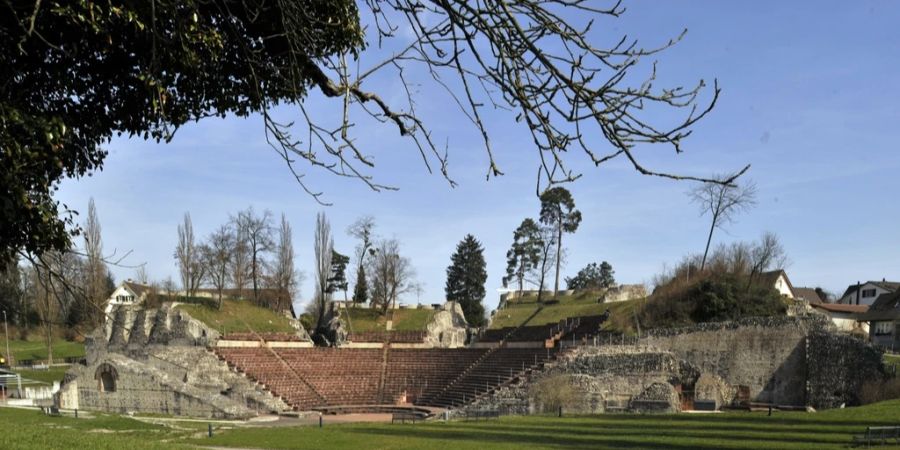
{"type": "Point", "coordinates": [127, 293]}
{"type": "Point", "coordinates": [884, 320]}
{"type": "Point", "coordinates": [779, 280]}
{"type": "Point", "coordinates": [866, 293]}
{"type": "Point", "coordinates": [809, 295]}
{"type": "Point", "coordinates": [845, 317]}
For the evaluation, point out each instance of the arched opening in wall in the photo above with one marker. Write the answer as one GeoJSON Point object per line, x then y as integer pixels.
{"type": "Point", "coordinates": [106, 377]}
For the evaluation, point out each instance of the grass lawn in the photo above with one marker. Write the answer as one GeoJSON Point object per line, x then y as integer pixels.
{"type": "Point", "coordinates": [239, 316]}
{"type": "Point", "coordinates": [30, 429]}
{"type": "Point", "coordinates": [365, 319]}
{"type": "Point", "coordinates": [35, 348]}
{"type": "Point", "coordinates": [738, 430]}
{"type": "Point", "coordinates": [55, 373]}
{"type": "Point", "coordinates": [578, 304]}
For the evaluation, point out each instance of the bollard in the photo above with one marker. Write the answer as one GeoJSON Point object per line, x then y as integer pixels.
{"type": "Point", "coordinates": [209, 429]}
{"type": "Point", "coordinates": [320, 421]}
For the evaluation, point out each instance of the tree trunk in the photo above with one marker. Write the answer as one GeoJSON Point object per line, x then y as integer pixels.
{"type": "Point", "coordinates": [708, 241]}
{"type": "Point", "coordinates": [558, 257]}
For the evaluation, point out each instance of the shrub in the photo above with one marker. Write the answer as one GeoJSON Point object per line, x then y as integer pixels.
{"type": "Point", "coordinates": [553, 392]}
{"type": "Point", "coordinates": [70, 334]}
{"type": "Point", "coordinates": [308, 322]}
{"type": "Point", "coordinates": [873, 391]}
{"type": "Point", "coordinates": [710, 297]}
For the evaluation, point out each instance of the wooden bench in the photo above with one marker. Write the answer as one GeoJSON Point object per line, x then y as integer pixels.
{"type": "Point", "coordinates": [878, 435]}
{"type": "Point", "coordinates": [403, 417]}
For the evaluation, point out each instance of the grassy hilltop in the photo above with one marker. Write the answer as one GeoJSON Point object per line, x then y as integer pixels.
{"type": "Point", "coordinates": [582, 303]}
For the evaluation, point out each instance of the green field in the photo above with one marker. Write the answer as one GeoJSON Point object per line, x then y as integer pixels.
{"type": "Point", "coordinates": [239, 316]}
{"type": "Point", "coordinates": [366, 319]}
{"type": "Point", "coordinates": [25, 429]}
{"type": "Point", "coordinates": [577, 304]}
{"type": "Point", "coordinates": [30, 429]}
{"type": "Point", "coordinates": [35, 348]}
{"type": "Point", "coordinates": [55, 373]}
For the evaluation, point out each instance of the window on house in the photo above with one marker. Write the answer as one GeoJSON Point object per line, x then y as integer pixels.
{"type": "Point", "coordinates": [868, 293]}
{"type": "Point", "coordinates": [882, 328]}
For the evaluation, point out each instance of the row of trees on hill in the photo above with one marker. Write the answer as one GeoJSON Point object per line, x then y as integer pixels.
{"type": "Point", "coordinates": [247, 254]}
{"type": "Point", "coordinates": [380, 273]}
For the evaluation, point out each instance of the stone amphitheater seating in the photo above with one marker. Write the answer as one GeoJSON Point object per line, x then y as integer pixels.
{"type": "Point", "coordinates": [422, 373]}
{"type": "Point", "coordinates": [400, 337]}
{"type": "Point", "coordinates": [314, 377]}
{"type": "Point", "coordinates": [269, 337]}
{"type": "Point", "coordinates": [308, 378]}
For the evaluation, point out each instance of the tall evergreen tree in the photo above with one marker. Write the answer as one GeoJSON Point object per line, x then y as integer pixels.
{"type": "Point", "coordinates": [558, 210]}
{"type": "Point", "coordinates": [338, 280]}
{"type": "Point", "coordinates": [466, 276]}
{"type": "Point", "coordinates": [360, 289]}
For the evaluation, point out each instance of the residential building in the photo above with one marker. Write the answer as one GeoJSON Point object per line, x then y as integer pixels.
{"type": "Point", "coordinates": [127, 293]}
{"type": "Point", "coordinates": [779, 280]}
{"type": "Point", "coordinates": [884, 320]}
{"type": "Point", "coordinates": [845, 317]}
{"type": "Point", "coordinates": [866, 293]}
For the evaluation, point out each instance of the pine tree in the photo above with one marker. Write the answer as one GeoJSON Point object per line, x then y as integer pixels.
{"type": "Point", "coordinates": [466, 276]}
{"type": "Point", "coordinates": [361, 289]}
{"type": "Point", "coordinates": [558, 210]}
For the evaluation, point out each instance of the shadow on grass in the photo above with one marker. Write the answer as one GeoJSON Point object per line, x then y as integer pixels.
{"type": "Point", "coordinates": [676, 430]}
{"type": "Point", "coordinates": [635, 436]}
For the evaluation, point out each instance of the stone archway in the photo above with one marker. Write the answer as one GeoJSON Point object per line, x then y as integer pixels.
{"type": "Point", "coordinates": [106, 376]}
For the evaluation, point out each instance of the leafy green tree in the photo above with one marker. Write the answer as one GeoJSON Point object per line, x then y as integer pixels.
{"type": "Point", "coordinates": [466, 276]}
{"type": "Point", "coordinates": [524, 254]}
{"type": "Point", "coordinates": [558, 210]}
{"type": "Point", "coordinates": [593, 276]}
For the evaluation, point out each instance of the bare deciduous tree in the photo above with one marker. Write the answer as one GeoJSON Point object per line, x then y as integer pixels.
{"type": "Point", "coordinates": [537, 59]}
{"type": "Point", "coordinates": [187, 254]}
{"type": "Point", "coordinates": [141, 275]}
{"type": "Point", "coordinates": [391, 274]}
{"type": "Point", "coordinates": [766, 255]}
{"type": "Point", "coordinates": [363, 230]}
{"type": "Point", "coordinates": [722, 201]}
{"type": "Point", "coordinates": [95, 270]}
{"type": "Point", "coordinates": [216, 253]}
{"type": "Point", "coordinates": [284, 275]}
{"type": "Point", "coordinates": [548, 245]}
{"type": "Point", "coordinates": [256, 232]}
{"type": "Point", "coordinates": [323, 246]}
{"type": "Point", "coordinates": [239, 264]}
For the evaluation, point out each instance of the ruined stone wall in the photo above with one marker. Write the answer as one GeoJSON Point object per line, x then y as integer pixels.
{"type": "Point", "coordinates": [447, 328]}
{"type": "Point", "coordinates": [626, 378]}
{"type": "Point", "coordinates": [161, 365]}
{"type": "Point", "coordinates": [768, 355]}
{"type": "Point", "coordinates": [838, 365]}
{"type": "Point", "coordinates": [785, 360]}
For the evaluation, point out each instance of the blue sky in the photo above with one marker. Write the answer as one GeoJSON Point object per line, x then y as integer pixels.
{"type": "Point", "coordinates": [810, 95]}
